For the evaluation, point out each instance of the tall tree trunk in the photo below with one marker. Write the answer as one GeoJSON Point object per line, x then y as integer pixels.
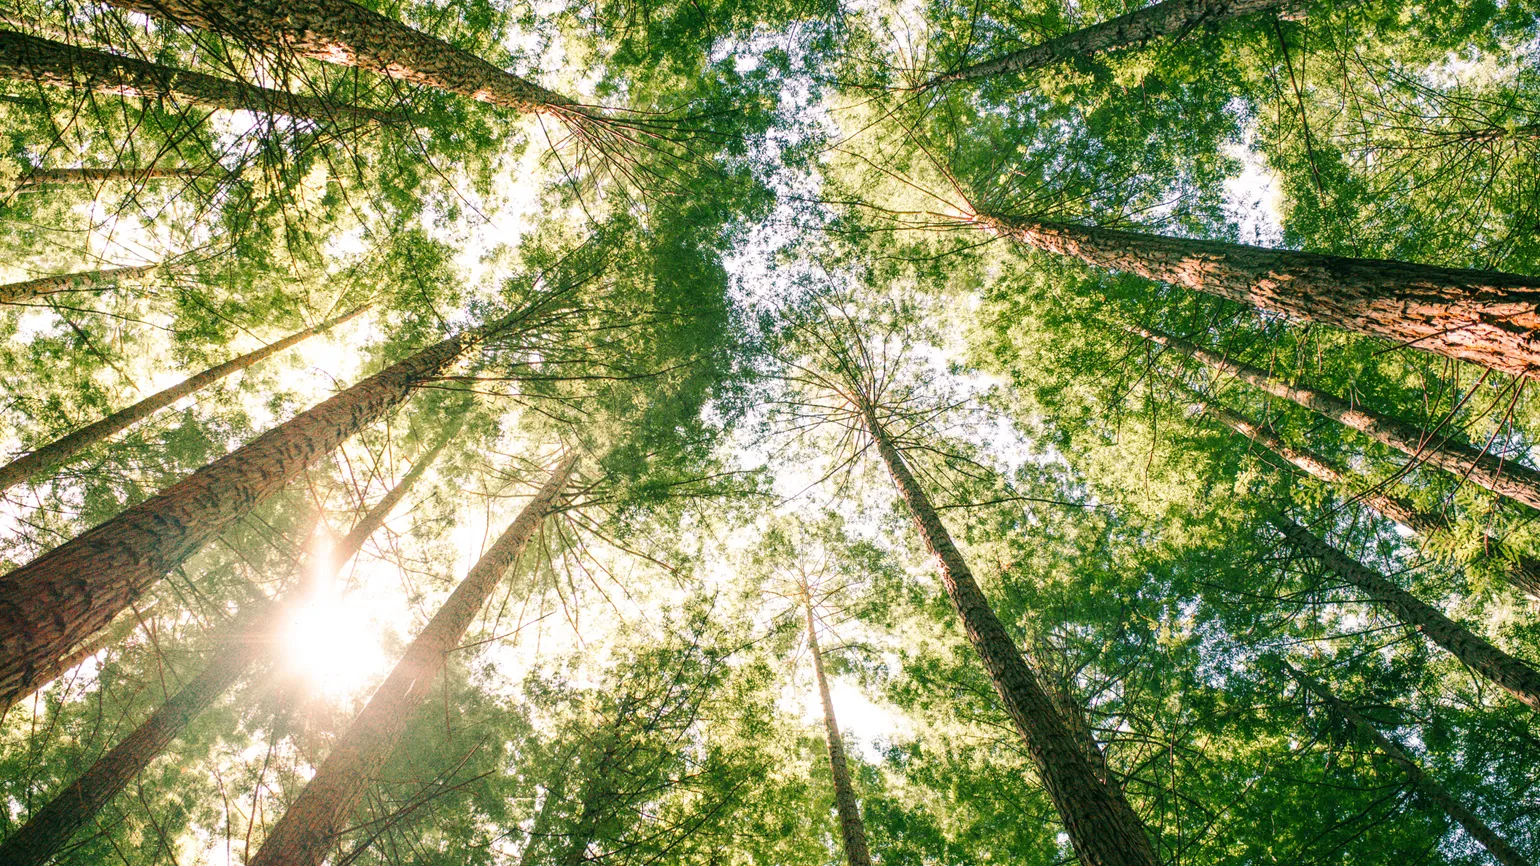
{"type": "Point", "coordinates": [310, 827]}
{"type": "Point", "coordinates": [1503, 477]}
{"type": "Point", "coordinates": [1503, 670]}
{"type": "Point", "coordinates": [340, 31]}
{"type": "Point", "coordinates": [248, 639]}
{"type": "Point", "coordinates": [116, 631]}
{"type": "Point", "coordinates": [852, 830]}
{"type": "Point", "coordinates": [67, 446]}
{"type": "Point", "coordinates": [60, 599]}
{"type": "Point", "coordinates": [42, 177]}
{"type": "Point", "coordinates": [30, 59]}
{"type": "Point", "coordinates": [1167, 18]}
{"type": "Point", "coordinates": [1102, 826]}
{"type": "Point", "coordinates": [1425, 784]}
{"type": "Point", "coordinates": [1522, 570]}
{"type": "Point", "coordinates": [1485, 317]}
{"type": "Point", "coordinates": [80, 281]}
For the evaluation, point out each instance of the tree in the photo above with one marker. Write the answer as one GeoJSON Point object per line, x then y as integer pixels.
{"type": "Point", "coordinates": [244, 642]}
{"type": "Point", "coordinates": [61, 598]}
{"type": "Point", "coordinates": [81, 281]}
{"type": "Point", "coordinates": [311, 824]}
{"type": "Point", "coordinates": [26, 58]}
{"type": "Point", "coordinates": [1505, 478]}
{"type": "Point", "coordinates": [1429, 787]}
{"type": "Point", "coordinates": [852, 830]}
{"type": "Point", "coordinates": [1505, 671]}
{"type": "Point", "coordinates": [48, 456]}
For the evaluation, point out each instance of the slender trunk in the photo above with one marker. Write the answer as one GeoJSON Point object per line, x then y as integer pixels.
{"type": "Point", "coordinates": [1503, 670]}
{"type": "Point", "coordinates": [340, 31]}
{"type": "Point", "coordinates": [1167, 18]}
{"type": "Point", "coordinates": [1503, 477]}
{"type": "Point", "coordinates": [310, 827]}
{"type": "Point", "coordinates": [1425, 784]}
{"type": "Point", "coordinates": [1485, 317]}
{"type": "Point", "coordinates": [1102, 826]}
{"type": "Point", "coordinates": [30, 59]}
{"type": "Point", "coordinates": [65, 447]}
{"type": "Point", "coordinates": [43, 177]}
{"type": "Point", "coordinates": [852, 830]}
{"type": "Point", "coordinates": [1522, 570]}
{"type": "Point", "coordinates": [81, 281]}
{"type": "Point", "coordinates": [246, 641]}
{"type": "Point", "coordinates": [64, 596]}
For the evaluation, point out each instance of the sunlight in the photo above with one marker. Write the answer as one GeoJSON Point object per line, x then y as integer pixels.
{"type": "Point", "coordinates": [329, 640]}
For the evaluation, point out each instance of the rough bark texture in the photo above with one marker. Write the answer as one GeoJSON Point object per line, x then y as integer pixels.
{"type": "Point", "coordinates": [244, 642]}
{"type": "Point", "coordinates": [82, 281]}
{"type": "Point", "coordinates": [64, 596]}
{"type": "Point", "coordinates": [852, 830]}
{"type": "Point", "coordinates": [1503, 477]}
{"type": "Point", "coordinates": [42, 177]}
{"type": "Point", "coordinates": [1503, 670]}
{"type": "Point", "coordinates": [1102, 826]}
{"type": "Point", "coordinates": [1520, 569]}
{"type": "Point", "coordinates": [1485, 317]}
{"type": "Point", "coordinates": [1167, 18]}
{"type": "Point", "coordinates": [1425, 784]}
{"type": "Point", "coordinates": [65, 447]}
{"type": "Point", "coordinates": [309, 828]}
{"type": "Point", "coordinates": [28, 58]}
{"type": "Point", "coordinates": [340, 31]}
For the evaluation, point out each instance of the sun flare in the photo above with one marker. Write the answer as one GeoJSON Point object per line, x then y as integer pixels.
{"type": "Point", "coordinates": [332, 645]}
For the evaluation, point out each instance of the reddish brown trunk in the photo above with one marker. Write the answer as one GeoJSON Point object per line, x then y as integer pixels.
{"type": "Point", "coordinates": [1102, 826]}
{"type": "Point", "coordinates": [30, 59]}
{"type": "Point", "coordinates": [247, 640]}
{"type": "Point", "coordinates": [340, 31]}
{"type": "Point", "coordinates": [852, 829]}
{"type": "Point", "coordinates": [310, 827]}
{"type": "Point", "coordinates": [1503, 477]}
{"type": "Point", "coordinates": [1425, 784]}
{"type": "Point", "coordinates": [64, 596]}
{"type": "Point", "coordinates": [1167, 18]}
{"type": "Point", "coordinates": [1485, 317]}
{"type": "Point", "coordinates": [1503, 670]}
{"type": "Point", "coordinates": [82, 281]}
{"type": "Point", "coordinates": [1520, 569]}
{"type": "Point", "coordinates": [65, 447]}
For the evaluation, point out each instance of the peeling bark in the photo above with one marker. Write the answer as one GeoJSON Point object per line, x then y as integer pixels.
{"type": "Point", "coordinates": [310, 827]}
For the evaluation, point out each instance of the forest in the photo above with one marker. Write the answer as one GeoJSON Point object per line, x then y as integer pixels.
{"type": "Point", "coordinates": [770, 432]}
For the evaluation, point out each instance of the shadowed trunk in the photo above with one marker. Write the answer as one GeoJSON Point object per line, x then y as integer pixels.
{"type": "Point", "coordinates": [309, 828]}
{"type": "Point", "coordinates": [62, 449]}
{"type": "Point", "coordinates": [246, 640]}
{"type": "Point", "coordinates": [30, 59]}
{"type": "Point", "coordinates": [1485, 317]}
{"type": "Point", "coordinates": [1167, 18]}
{"type": "Point", "coordinates": [1503, 670]}
{"type": "Point", "coordinates": [1521, 570]}
{"type": "Point", "coordinates": [340, 31]}
{"type": "Point", "coordinates": [60, 599]}
{"type": "Point", "coordinates": [1425, 784]}
{"type": "Point", "coordinates": [852, 830]}
{"type": "Point", "coordinates": [1503, 477]}
{"type": "Point", "coordinates": [1101, 825]}
{"type": "Point", "coordinates": [82, 281]}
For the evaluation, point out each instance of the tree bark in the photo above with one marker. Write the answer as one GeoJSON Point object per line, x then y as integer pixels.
{"type": "Point", "coordinates": [30, 59]}
{"type": "Point", "coordinates": [1425, 784]}
{"type": "Point", "coordinates": [61, 598]}
{"type": "Point", "coordinates": [1503, 670]}
{"type": "Point", "coordinates": [42, 177]}
{"type": "Point", "coordinates": [1101, 824]}
{"type": "Point", "coordinates": [65, 447]}
{"type": "Point", "coordinates": [852, 829]}
{"type": "Point", "coordinates": [1167, 18]}
{"type": "Point", "coordinates": [309, 828]}
{"type": "Point", "coordinates": [1504, 477]}
{"type": "Point", "coordinates": [248, 639]}
{"type": "Point", "coordinates": [81, 281]}
{"type": "Point", "coordinates": [1489, 318]}
{"type": "Point", "coordinates": [343, 32]}
{"type": "Point", "coordinates": [1522, 570]}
